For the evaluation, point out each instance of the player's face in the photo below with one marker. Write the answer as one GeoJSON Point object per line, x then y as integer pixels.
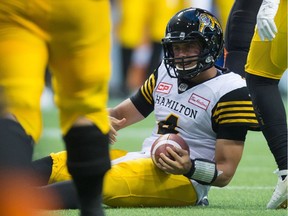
{"type": "Point", "coordinates": [185, 55]}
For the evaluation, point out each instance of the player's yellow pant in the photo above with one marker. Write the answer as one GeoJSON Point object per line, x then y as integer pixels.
{"type": "Point", "coordinates": [145, 18]}
{"type": "Point", "coordinates": [135, 183]}
{"type": "Point", "coordinates": [72, 37]}
{"type": "Point", "coordinates": [223, 9]}
{"type": "Point", "coordinates": [271, 63]}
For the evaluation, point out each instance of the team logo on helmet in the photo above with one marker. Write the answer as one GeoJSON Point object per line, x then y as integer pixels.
{"type": "Point", "coordinates": [207, 21]}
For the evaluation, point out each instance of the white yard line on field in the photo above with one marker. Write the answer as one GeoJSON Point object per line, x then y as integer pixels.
{"type": "Point", "coordinates": [245, 188]}
{"type": "Point", "coordinates": [52, 133]}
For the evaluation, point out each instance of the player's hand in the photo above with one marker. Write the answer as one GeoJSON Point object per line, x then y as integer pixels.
{"type": "Point", "coordinates": [265, 19]}
{"type": "Point", "coordinates": [179, 166]}
{"type": "Point", "coordinates": [115, 125]}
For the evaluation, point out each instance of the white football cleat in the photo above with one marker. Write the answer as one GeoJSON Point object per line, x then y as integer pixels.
{"type": "Point", "coordinates": [280, 194]}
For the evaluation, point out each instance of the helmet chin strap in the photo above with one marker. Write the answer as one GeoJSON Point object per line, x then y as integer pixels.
{"type": "Point", "coordinates": [191, 77]}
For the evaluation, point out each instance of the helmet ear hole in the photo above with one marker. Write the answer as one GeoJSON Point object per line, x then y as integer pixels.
{"type": "Point", "coordinates": [187, 26]}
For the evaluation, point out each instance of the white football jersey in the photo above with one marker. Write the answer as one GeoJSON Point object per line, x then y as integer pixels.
{"type": "Point", "coordinates": [195, 112]}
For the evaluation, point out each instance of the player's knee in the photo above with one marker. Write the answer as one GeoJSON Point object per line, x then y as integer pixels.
{"type": "Point", "coordinates": [87, 151]}
{"type": "Point", "coordinates": [82, 121]}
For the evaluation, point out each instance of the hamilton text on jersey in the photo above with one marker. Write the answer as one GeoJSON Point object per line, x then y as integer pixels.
{"type": "Point", "coordinates": [176, 106]}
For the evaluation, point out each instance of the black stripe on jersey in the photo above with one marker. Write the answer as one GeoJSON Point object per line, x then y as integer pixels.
{"type": "Point", "coordinates": [235, 108]}
{"type": "Point", "coordinates": [143, 99]}
{"type": "Point", "coordinates": [232, 132]}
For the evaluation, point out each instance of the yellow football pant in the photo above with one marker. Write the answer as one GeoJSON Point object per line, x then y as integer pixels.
{"type": "Point", "coordinates": [269, 58]}
{"type": "Point", "coordinates": [145, 18]}
{"type": "Point", "coordinates": [72, 37]}
{"type": "Point", "coordinates": [135, 183]}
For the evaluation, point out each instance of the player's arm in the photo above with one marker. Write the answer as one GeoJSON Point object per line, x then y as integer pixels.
{"type": "Point", "coordinates": [227, 157]}
{"type": "Point", "coordinates": [232, 117]}
{"type": "Point", "coordinates": [135, 108]}
{"type": "Point", "coordinates": [124, 111]}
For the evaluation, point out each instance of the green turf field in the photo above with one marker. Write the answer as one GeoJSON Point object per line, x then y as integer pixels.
{"type": "Point", "coordinates": [247, 194]}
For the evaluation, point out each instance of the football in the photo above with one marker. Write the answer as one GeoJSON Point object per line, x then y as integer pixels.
{"type": "Point", "coordinates": [168, 140]}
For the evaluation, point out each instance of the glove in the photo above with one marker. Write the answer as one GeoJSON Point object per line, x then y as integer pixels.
{"type": "Point", "coordinates": [265, 19]}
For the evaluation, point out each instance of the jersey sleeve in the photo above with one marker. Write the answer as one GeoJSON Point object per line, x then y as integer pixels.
{"type": "Point", "coordinates": [234, 115]}
{"type": "Point", "coordinates": [143, 99]}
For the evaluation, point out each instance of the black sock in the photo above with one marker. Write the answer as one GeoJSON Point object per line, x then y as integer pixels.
{"type": "Point", "coordinates": [16, 147]}
{"type": "Point", "coordinates": [90, 194]}
{"type": "Point", "coordinates": [276, 136]}
{"type": "Point", "coordinates": [42, 169]}
{"type": "Point", "coordinates": [88, 160]}
{"type": "Point", "coordinates": [66, 195]}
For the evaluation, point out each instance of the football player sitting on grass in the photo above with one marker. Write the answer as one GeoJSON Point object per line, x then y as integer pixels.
{"type": "Point", "coordinates": [208, 106]}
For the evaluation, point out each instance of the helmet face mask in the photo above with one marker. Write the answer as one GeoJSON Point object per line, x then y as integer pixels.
{"type": "Point", "coordinates": [194, 27]}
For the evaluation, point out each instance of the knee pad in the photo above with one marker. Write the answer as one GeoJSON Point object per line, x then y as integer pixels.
{"type": "Point", "coordinates": [87, 151]}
